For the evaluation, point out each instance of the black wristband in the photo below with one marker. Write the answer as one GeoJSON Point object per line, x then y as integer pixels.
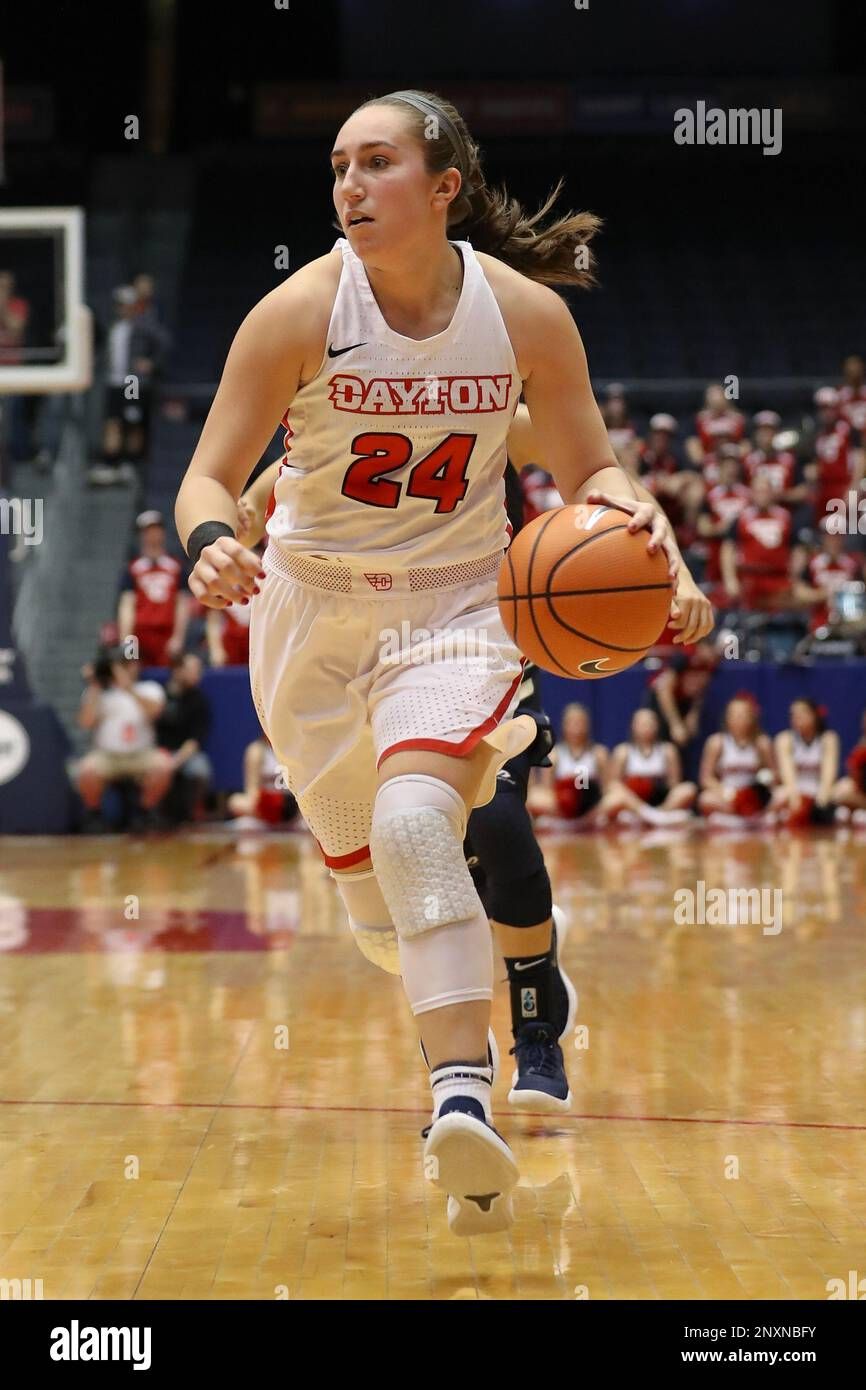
{"type": "Point", "coordinates": [206, 534]}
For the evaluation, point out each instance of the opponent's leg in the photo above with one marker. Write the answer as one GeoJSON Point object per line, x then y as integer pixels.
{"type": "Point", "coordinates": [517, 898]}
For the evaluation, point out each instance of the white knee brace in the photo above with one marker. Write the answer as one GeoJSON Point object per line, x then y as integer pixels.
{"type": "Point", "coordinates": [416, 845]}
{"type": "Point", "coordinates": [369, 919]}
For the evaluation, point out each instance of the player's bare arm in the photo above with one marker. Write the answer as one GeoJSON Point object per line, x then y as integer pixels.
{"type": "Point", "coordinates": [272, 354]}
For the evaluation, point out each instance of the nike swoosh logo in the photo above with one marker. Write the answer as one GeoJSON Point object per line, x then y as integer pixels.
{"type": "Point", "coordinates": [594, 667]}
{"type": "Point", "coordinates": [527, 965]}
{"type": "Point", "coordinates": [338, 352]}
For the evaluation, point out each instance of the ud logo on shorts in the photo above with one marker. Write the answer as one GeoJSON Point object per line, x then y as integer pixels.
{"type": "Point", "coordinates": [529, 1003]}
{"type": "Point", "coordinates": [379, 581]}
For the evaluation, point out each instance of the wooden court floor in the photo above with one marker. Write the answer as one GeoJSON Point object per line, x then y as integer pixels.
{"type": "Point", "coordinates": [206, 1092]}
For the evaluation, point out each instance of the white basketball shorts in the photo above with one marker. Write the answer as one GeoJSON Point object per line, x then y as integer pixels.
{"type": "Point", "coordinates": [341, 680]}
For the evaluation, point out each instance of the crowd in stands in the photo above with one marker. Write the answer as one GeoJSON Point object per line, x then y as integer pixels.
{"type": "Point", "coordinates": [769, 518]}
{"type": "Point", "coordinates": [763, 514]}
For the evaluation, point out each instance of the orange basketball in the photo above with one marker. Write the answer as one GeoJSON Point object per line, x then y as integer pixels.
{"type": "Point", "coordinates": [580, 594]}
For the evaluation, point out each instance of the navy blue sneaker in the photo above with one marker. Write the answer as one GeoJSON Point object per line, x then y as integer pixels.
{"type": "Point", "coordinates": [539, 1081]}
{"type": "Point", "coordinates": [469, 1160]}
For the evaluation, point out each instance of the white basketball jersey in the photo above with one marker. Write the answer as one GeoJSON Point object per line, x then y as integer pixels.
{"type": "Point", "coordinates": [395, 451]}
{"type": "Point", "coordinates": [807, 764]}
{"type": "Point", "coordinates": [739, 763]}
{"type": "Point", "coordinates": [651, 764]}
{"type": "Point", "coordinates": [571, 766]}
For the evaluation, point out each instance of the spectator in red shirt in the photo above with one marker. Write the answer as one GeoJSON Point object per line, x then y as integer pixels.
{"type": "Point", "coordinates": [820, 577]}
{"type": "Point", "coordinates": [723, 447]}
{"type": "Point", "coordinates": [540, 493]}
{"type": "Point", "coordinates": [852, 393]}
{"type": "Point", "coordinates": [153, 606]}
{"type": "Point", "coordinates": [669, 477]}
{"type": "Point", "coordinates": [837, 467]}
{"type": "Point", "coordinates": [778, 465]}
{"type": "Point", "coordinates": [724, 504]}
{"type": "Point", "coordinates": [718, 422]}
{"type": "Point", "coordinates": [228, 635]}
{"type": "Point", "coordinates": [756, 563]}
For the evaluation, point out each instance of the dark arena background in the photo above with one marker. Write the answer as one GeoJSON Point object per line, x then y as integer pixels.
{"type": "Point", "coordinates": [206, 1093]}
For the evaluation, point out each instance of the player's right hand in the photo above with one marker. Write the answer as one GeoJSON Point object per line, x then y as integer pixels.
{"type": "Point", "coordinates": [246, 516]}
{"type": "Point", "coordinates": [225, 572]}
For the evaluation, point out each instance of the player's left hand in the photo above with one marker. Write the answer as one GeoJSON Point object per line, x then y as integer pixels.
{"type": "Point", "coordinates": [691, 611]}
{"type": "Point", "coordinates": [644, 514]}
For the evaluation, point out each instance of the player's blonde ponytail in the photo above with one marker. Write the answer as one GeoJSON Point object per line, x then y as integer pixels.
{"type": "Point", "coordinates": [555, 254]}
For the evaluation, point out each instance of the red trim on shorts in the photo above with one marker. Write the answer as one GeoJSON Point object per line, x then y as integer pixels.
{"type": "Point", "coordinates": [345, 861]}
{"type": "Point", "coordinates": [458, 750]}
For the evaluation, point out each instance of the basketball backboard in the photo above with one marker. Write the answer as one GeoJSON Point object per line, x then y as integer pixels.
{"type": "Point", "coordinates": [45, 327]}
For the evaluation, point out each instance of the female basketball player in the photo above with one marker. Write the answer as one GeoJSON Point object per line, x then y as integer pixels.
{"type": "Point", "coordinates": [645, 778]}
{"type": "Point", "coordinates": [737, 766]}
{"type": "Point", "coordinates": [577, 778]}
{"type": "Point", "coordinates": [504, 859]}
{"type": "Point", "coordinates": [395, 363]}
{"type": "Point", "coordinates": [807, 756]}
